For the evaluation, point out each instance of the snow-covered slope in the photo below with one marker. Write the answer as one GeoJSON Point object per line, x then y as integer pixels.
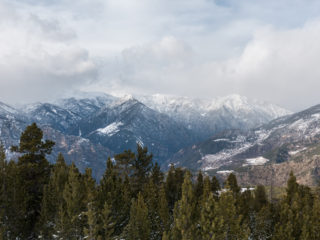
{"type": "Point", "coordinates": [274, 142]}
{"type": "Point", "coordinates": [173, 105]}
{"type": "Point", "coordinates": [128, 122]}
{"type": "Point", "coordinates": [209, 116]}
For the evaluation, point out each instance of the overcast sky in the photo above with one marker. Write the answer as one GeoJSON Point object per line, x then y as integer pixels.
{"type": "Point", "coordinates": [268, 50]}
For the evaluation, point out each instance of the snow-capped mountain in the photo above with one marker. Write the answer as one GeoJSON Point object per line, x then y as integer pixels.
{"type": "Point", "coordinates": [273, 144]}
{"type": "Point", "coordinates": [127, 123]}
{"type": "Point", "coordinates": [208, 116]}
{"type": "Point", "coordinates": [85, 124]}
{"type": "Point", "coordinates": [52, 115]}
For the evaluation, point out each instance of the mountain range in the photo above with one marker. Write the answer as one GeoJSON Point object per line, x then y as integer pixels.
{"type": "Point", "coordinates": [90, 127]}
{"type": "Point", "coordinates": [262, 155]}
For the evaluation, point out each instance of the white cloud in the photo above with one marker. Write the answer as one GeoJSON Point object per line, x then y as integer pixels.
{"type": "Point", "coordinates": [38, 57]}
{"type": "Point", "coordinates": [263, 49]}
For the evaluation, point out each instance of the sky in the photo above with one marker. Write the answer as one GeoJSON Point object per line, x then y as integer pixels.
{"type": "Point", "coordinates": [268, 50]}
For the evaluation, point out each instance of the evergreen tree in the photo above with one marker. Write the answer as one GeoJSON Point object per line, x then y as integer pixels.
{"type": "Point", "coordinates": [184, 212]}
{"type": "Point", "coordinates": [199, 186]}
{"type": "Point", "coordinates": [232, 185]}
{"type": "Point", "coordinates": [33, 174]}
{"type": "Point", "coordinates": [74, 197]}
{"type": "Point", "coordinates": [163, 210]}
{"type": "Point", "coordinates": [208, 229]}
{"type": "Point", "coordinates": [91, 230]}
{"type": "Point", "coordinates": [142, 166]}
{"type": "Point", "coordinates": [52, 198]}
{"type": "Point", "coordinates": [139, 225]}
{"type": "Point", "coordinates": [152, 200]}
{"type": "Point", "coordinates": [292, 187]}
{"type": "Point", "coordinates": [173, 185]}
{"type": "Point", "coordinates": [117, 193]}
{"type": "Point", "coordinates": [107, 221]}
{"type": "Point", "coordinates": [227, 223]}
{"type": "Point", "coordinates": [92, 227]}
{"type": "Point", "coordinates": [260, 198]}
{"type": "Point", "coordinates": [311, 226]}
{"type": "Point", "coordinates": [3, 193]}
{"type": "Point", "coordinates": [156, 175]}
{"type": "Point", "coordinates": [263, 224]}
{"type": "Point", "coordinates": [125, 162]}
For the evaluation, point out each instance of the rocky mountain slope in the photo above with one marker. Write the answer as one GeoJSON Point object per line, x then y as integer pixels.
{"type": "Point", "coordinates": [90, 127]}
{"type": "Point", "coordinates": [284, 143]}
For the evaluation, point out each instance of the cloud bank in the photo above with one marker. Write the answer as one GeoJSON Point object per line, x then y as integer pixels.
{"type": "Point", "coordinates": [261, 49]}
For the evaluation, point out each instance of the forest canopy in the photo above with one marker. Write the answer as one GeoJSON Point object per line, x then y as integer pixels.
{"type": "Point", "coordinates": [134, 199]}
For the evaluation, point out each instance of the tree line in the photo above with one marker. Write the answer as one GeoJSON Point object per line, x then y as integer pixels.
{"type": "Point", "coordinates": [135, 200]}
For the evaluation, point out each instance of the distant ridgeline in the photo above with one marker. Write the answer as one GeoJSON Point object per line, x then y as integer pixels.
{"type": "Point", "coordinates": [136, 200]}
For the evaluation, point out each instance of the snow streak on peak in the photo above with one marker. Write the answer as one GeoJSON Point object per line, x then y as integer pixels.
{"type": "Point", "coordinates": [111, 129]}
{"type": "Point", "coordinates": [235, 103]}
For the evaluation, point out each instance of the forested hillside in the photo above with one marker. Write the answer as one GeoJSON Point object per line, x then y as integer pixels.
{"type": "Point", "coordinates": [135, 200]}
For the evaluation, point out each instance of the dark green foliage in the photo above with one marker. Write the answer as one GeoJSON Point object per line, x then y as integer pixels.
{"type": "Point", "coordinates": [232, 184]}
{"type": "Point", "coordinates": [215, 186]}
{"type": "Point", "coordinates": [184, 226]}
{"type": "Point", "coordinates": [173, 185]}
{"type": "Point", "coordinates": [124, 162]}
{"type": "Point", "coordinates": [33, 173]}
{"type": "Point", "coordinates": [133, 200]}
{"type": "Point", "coordinates": [142, 166]}
{"type": "Point", "coordinates": [139, 224]}
{"type": "Point", "coordinates": [260, 198]}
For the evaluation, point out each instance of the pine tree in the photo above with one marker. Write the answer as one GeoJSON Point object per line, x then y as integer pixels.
{"type": "Point", "coordinates": [156, 175]}
{"type": "Point", "coordinates": [260, 198]}
{"type": "Point", "coordinates": [163, 210]}
{"type": "Point", "coordinates": [311, 226]}
{"type": "Point", "coordinates": [125, 162]}
{"type": "Point", "coordinates": [74, 196]}
{"type": "Point", "coordinates": [107, 221]}
{"type": "Point", "coordinates": [206, 188]}
{"type": "Point", "coordinates": [53, 198]}
{"type": "Point", "coordinates": [33, 175]}
{"type": "Point", "coordinates": [152, 201]}
{"type": "Point", "coordinates": [199, 186]}
{"type": "Point", "coordinates": [215, 187]}
{"type": "Point", "coordinates": [141, 166]}
{"type": "Point", "coordinates": [263, 224]}
{"type": "Point", "coordinates": [117, 193]}
{"type": "Point", "coordinates": [184, 212]}
{"type": "Point", "coordinates": [206, 219]}
{"type": "Point", "coordinates": [292, 188]}
{"type": "Point", "coordinates": [227, 222]}
{"type": "Point", "coordinates": [139, 225]}
{"type": "Point", "coordinates": [232, 184]}
{"type": "Point", "coordinates": [11, 207]}
{"type": "Point", "coordinates": [91, 230]}
{"type": "Point", "coordinates": [173, 185]}
{"type": "Point", "coordinates": [284, 229]}
{"type": "Point", "coordinates": [3, 193]}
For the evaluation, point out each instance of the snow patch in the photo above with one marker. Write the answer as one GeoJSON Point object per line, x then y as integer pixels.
{"type": "Point", "coordinates": [256, 161]}
{"type": "Point", "coordinates": [139, 142]}
{"type": "Point", "coordinates": [111, 129]}
{"type": "Point", "coordinates": [221, 140]}
{"type": "Point", "coordinates": [296, 151]}
{"type": "Point", "coordinates": [225, 172]}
